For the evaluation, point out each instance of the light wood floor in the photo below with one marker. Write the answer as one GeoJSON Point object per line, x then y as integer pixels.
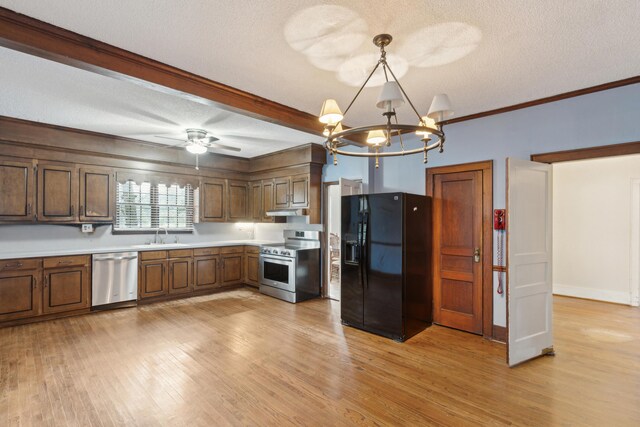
{"type": "Point", "coordinates": [243, 358]}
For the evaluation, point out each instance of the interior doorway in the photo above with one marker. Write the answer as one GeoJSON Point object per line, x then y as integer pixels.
{"type": "Point", "coordinates": [333, 192]}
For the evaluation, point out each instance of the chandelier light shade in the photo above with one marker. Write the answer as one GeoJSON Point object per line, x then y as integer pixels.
{"type": "Point", "coordinates": [378, 136]}
{"type": "Point", "coordinates": [330, 113]}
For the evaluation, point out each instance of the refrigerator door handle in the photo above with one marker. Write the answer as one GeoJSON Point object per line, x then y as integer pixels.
{"type": "Point", "coordinates": [364, 249]}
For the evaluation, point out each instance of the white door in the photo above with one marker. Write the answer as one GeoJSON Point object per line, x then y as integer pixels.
{"type": "Point", "coordinates": [529, 287]}
{"type": "Point", "coordinates": [350, 187]}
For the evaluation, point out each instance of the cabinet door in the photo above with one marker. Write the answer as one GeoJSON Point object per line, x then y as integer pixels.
{"type": "Point", "coordinates": [180, 277]}
{"type": "Point", "coordinates": [206, 272]}
{"type": "Point", "coordinates": [97, 194]}
{"type": "Point", "coordinates": [57, 193]}
{"type": "Point", "coordinates": [238, 201]}
{"type": "Point", "coordinates": [252, 272]}
{"type": "Point", "coordinates": [17, 185]}
{"type": "Point", "coordinates": [232, 269]}
{"type": "Point", "coordinates": [255, 201]}
{"type": "Point", "coordinates": [281, 194]}
{"type": "Point", "coordinates": [299, 191]}
{"type": "Point", "coordinates": [66, 289]}
{"type": "Point", "coordinates": [213, 200]}
{"type": "Point", "coordinates": [20, 295]}
{"type": "Point", "coordinates": [152, 279]}
{"type": "Point", "coordinates": [267, 199]}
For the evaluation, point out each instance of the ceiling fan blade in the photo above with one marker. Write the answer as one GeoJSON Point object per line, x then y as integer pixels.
{"type": "Point", "coordinates": [210, 139]}
{"type": "Point", "coordinates": [167, 137]}
{"type": "Point", "coordinates": [223, 147]}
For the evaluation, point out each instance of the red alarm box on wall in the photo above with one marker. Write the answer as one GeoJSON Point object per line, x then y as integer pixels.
{"type": "Point", "coordinates": [499, 219]}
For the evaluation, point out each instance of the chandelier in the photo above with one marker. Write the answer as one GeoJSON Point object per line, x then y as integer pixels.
{"type": "Point", "coordinates": [429, 127]}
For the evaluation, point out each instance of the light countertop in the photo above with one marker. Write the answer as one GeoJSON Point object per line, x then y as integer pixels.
{"type": "Point", "coordinates": [134, 248]}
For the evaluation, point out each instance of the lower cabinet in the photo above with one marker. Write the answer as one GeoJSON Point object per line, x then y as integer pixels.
{"type": "Point", "coordinates": [206, 267]}
{"type": "Point", "coordinates": [66, 284]}
{"type": "Point", "coordinates": [180, 271]}
{"type": "Point", "coordinates": [20, 292]}
{"type": "Point", "coordinates": [231, 258]}
{"type": "Point", "coordinates": [252, 265]}
{"type": "Point", "coordinates": [152, 277]}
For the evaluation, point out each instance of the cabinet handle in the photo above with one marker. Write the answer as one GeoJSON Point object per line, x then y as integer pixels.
{"type": "Point", "coordinates": [35, 283]}
{"type": "Point", "coordinates": [28, 208]}
{"type": "Point", "coordinates": [81, 209]}
{"type": "Point", "coordinates": [13, 265]}
{"type": "Point", "coordinates": [73, 210]}
{"type": "Point", "coordinates": [46, 281]}
{"type": "Point", "coordinates": [64, 262]}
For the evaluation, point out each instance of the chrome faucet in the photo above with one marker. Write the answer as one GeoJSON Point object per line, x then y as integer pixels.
{"type": "Point", "coordinates": [166, 233]}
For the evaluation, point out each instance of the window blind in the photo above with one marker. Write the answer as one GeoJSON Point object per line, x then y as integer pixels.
{"type": "Point", "coordinates": [149, 207]}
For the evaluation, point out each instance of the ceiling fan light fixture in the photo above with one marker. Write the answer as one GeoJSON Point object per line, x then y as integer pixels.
{"type": "Point", "coordinates": [195, 148]}
{"type": "Point", "coordinates": [378, 136]}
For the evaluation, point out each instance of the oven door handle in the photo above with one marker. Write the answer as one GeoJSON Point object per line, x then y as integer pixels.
{"type": "Point", "coordinates": [277, 259]}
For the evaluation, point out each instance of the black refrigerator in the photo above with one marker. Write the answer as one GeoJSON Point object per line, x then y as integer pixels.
{"type": "Point", "coordinates": [385, 281]}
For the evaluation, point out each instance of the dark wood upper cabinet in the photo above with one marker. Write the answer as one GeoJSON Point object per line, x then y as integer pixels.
{"type": "Point", "coordinates": [238, 201]}
{"type": "Point", "coordinates": [267, 199]}
{"type": "Point", "coordinates": [213, 200]}
{"type": "Point", "coordinates": [299, 191]}
{"type": "Point", "coordinates": [57, 193]}
{"type": "Point", "coordinates": [97, 194]}
{"type": "Point", "coordinates": [180, 275]}
{"type": "Point", "coordinates": [20, 296]}
{"type": "Point", "coordinates": [17, 185]}
{"type": "Point", "coordinates": [67, 288]}
{"type": "Point", "coordinates": [255, 201]}
{"type": "Point", "coordinates": [281, 193]}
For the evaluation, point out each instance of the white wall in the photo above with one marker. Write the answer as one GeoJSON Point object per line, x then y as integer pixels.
{"type": "Point", "coordinates": [602, 118]}
{"type": "Point", "coordinates": [592, 227]}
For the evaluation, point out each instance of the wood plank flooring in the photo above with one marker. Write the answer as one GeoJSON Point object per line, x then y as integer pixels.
{"type": "Point", "coordinates": [240, 358]}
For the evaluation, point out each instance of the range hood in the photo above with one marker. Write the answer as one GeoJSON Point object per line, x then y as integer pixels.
{"type": "Point", "coordinates": [287, 212]}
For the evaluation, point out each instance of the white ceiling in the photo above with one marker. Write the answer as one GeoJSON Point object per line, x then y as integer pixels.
{"type": "Point", "coordinates": [36, 89]}
{"type": "Point", "coordinates": [485, 55]}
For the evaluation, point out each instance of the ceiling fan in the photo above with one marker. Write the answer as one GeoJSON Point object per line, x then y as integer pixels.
{"type": "Point", "coordinates": [198, 142]}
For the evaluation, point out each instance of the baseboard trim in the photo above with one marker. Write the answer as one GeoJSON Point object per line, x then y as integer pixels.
{"type": "Point", "coordinates": [616, 297]}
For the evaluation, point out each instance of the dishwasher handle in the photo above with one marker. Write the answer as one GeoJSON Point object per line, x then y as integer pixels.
{"type": "Point", "coordinates": [115, 258]}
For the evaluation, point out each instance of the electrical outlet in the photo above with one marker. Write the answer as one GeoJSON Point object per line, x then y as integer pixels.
{"type": "Point", "coordinates": [87, 228]}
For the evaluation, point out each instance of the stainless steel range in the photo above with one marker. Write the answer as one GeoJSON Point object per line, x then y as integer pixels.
{"type": "Point", "coordinates": [291, 272]}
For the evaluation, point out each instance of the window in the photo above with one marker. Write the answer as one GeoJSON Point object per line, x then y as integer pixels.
{"type": "Point", "coordinates": [149, 207]}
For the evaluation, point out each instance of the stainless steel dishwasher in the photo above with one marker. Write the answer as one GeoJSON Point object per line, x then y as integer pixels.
{"type": "Point", "coordinates": [114, 278]}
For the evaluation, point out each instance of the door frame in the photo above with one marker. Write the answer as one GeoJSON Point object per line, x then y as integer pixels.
{"type": "Point", "coordinates": [486, 167]}
{"type": "Point", "coordinates": [323, 246]}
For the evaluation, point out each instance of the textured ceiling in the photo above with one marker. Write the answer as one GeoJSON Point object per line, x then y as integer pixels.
{"type": "Point", "coordinates": [485, 55]}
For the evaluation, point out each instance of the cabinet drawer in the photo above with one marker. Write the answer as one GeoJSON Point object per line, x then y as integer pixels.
{"type": "Point", "coordinates": [206, 251]}
{"type": "Point", "coordinates": [66, 261]}
{"type": "Point", "coordinates": [149, 255]}
{"type": "Point", "coordinates": [251, 249]}
{"type": "Point", "coordinates": [20, 264]}
{"type": "Point", "coordinates": [231, 249]}
{"type": "Point", "coordinates": [180, 253]}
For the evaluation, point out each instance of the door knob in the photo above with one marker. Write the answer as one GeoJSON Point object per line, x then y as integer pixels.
{"type": "Point", "coordinates": [476, 255]}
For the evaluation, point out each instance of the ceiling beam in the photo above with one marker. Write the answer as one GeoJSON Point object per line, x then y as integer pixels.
{"type": "Point", "coordinates": [23, 33]}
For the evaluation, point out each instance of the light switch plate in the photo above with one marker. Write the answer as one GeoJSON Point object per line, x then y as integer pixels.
{"type": "Point", "coordinates": [87, 228]}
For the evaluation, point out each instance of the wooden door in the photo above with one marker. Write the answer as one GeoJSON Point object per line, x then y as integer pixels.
{"type": "Point", "coordinates": [153, 279]}
{"type": "Point", "coordinates": [238, 201]}
{"type": "Point", "coordinates": [97, 194]}
{"type": "Point", "coordinates": [180, 275]}
{"type": "Point", "coordinates": [299, 191]}
{"type": "Point", "coordinates": [232, 269]}
{"type": "Point", "coordinates": [281, 192]}
{"type": "Point", "coordinates": [255, 201]}
{"type": "Point", "coordinates": [57, 193]}
{"type": "Point", "coordinates": [206, 272]}
{"type": "Point", "coordinates": [66, 289]}
{"type": "Point", "coordinates": [529, 241]}
{"type": "Point", "coordinates": [17, 185]}
{"type": "Point", "coordinates": [267, 199]}
{"type": "Point", "coordinates": [457, 246]}
{"type": "Point", "coordinates": [20, 295]}
{"type": "Point", "coordinates": [213, 200]}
